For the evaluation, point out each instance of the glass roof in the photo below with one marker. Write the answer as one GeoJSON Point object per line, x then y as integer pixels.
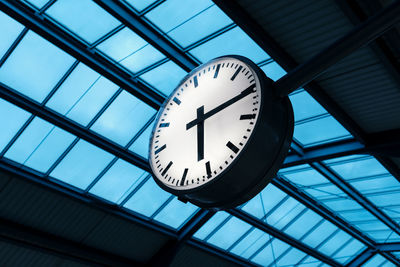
{"type": "Point", "coordinates": [43, 74]}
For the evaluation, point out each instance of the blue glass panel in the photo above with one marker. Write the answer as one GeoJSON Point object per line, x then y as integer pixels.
{"type": "Point", "coordinates": [306, 177]}
{"type": "Point", "coordinates": [140, 4]}
{"type": "Point", "coordinates": [176, 213]}
{"type": "Point", "coordinates": [10, 29]}
{"type": "Point", "coordinates": [82, 165]}
{"type": "Point", "coordinates": [304, 106]}
{"type": "Point", "coordinates": [371, 226]}
{"type": "Point", "coordinates": [118, 181]}
{"type": "Point", "coordinates": [325, 192]}
{"type": "Point", "coordinates": [264, 201]}
{"type": "Point", "coordinates": [270, 252]}
{"type": "Point", "coordinates": [141, 144]}
{"type": "Point", "coordinates": [203, 24]}
{"type": "Point", "coordinates": [83, 17]}
{"type": "Point", "coordinates": [35, 67]}
{"type": "Point", "coordinates": [377, 184]}
{"type": "Point", "coordinates": [172, 13]}
{"type": "Point", "coordinates": [387, 199]}
{"type": "Point", "coordinates": [384, 236]}
{"type": "Point", "coordinates": [357, 215]}
{"type": "Point", "coordinates": [303, 224]}
{"type": "Point", "coordinates": [37, 3]}
{"type": "Point", "coordinates": [165, 77]}
{"type": "Point", "coordinates": [349, 251]}
{"type": "Point", "coordinates": [123, 118]}
{"type": "Point", "coordinates": [377, 260]}
{"type": "Point", "coordinates": [310, 262]}
{"type": "Point", "coordinates": [333, 244]}
{"type": "Point", "coordinates": [147, 199]}
{"type": "Point", "coordinates": [11, 120]}
{"type": "Point", "coordinates": [320, 131]}
{"type": "Point", "coordinates": [211, 224]}
{"type": "Point", "coordinates": [291, 258]}
{"type": "Point", "coordinates": [40, 145]}
{"type": "Point", "coordinates": [360, 168]}
{"type": "Point", "coordinates": [231, 231]}
{"type": "Point", "coordinates": [232, 42]}
{"type": "Point", "coordinates": [251, 243]}
{"type": "Point", "coordinates": [82, 95]}
{"type": "Point", "coordinates": [273, 71]}
{"type": "Point", "coordinates": [280, 217]}
{"type": "Point", "coordinates": [342, 204]}
{"type": "Point", "coordinates": [321, 233]}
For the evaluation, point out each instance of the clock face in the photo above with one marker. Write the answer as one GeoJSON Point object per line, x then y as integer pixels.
{"type": "Point", "coordinates": [205, 124]}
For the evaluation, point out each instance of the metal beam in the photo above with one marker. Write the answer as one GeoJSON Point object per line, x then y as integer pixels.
{"type": "Point", "coordinates": [356, 38]}
{"type": "Point", "coordinates": [362, 258]}
{"type": "Point", "coordinates": [126, 15]}
{"type": "Point", "coordinates": [389, 246]}
{"type": "Point", "coordinates": [282, 236]}
{"type": "Point", "coordinates": [20, 235]}
{"type": "Point", "coordinates": [78, 49]}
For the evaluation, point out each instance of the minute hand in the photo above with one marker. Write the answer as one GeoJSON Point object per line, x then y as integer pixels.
{"type": "Point", "coordinates": [243, 94]}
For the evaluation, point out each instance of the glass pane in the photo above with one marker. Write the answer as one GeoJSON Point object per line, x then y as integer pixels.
{"type": "Point", "coordinates": [211, 224]}
{"type": "Point", "coordinates": [141, 144]}
{"type": "Point", "coordinates": [35, 67]}
{"type": "Point", "coordinates": [165, 77]}
{"type": "Point", "coordinates": [305, 177]}
{"type": "Point", "coordinates": [334, 243]}
{"type": "Point", "coordinates": [285, 213]}
{"type": "Point", "coordinates": [321, 233]}
{"type": "Point", "coordinates": [320, 131]}
{"type": "Point", "coordinates": [140, 4]}
{"type": "Point", "coordinates": [82, 165]}
{"type": "Point", "coordinates": [118, 181]}
{"type": "Point", "coordinates": [176, 213]}
{"type": "Point", "coordinates": [189, 21]}
{"type": "Point", "coordinates": [40, 145]}
{"type": "Point", "coordinates": [270, 252]}
{"type": "Point", "coordinates": [82, 95]}
{"type": "Point", "coordinates": [231, 231]}
{"type": "Point", "coordinates": [303, 224]}
{"type": "Point", "coordinates": [172, 13]}
{"type": "Point", "coordinates": [251, 243]}
{"type": "Point", "coordinates": [123, 118]}
{"type": "Point", "coordinates": [273, 71]}
{"type": "Point", "coordinates": [349, 251]}
{"type": "Point", "coordinates": [291, 258]}
{"type": "Point", "coordinates": [304, 106]}
{"type": "Point", "coordinates": [11, 120]}
{"type": "Point", "coordinates": [10, 29]}
{"type": "Point", "coordinates": [147, 199]}
{"type": "Point", "coordinates": [130, 50]}
{"type": "Point", "coordinates": [233, 42]}
{"type": "Point", "coordinates": [83, 17]}
{"type": "Point", "coordinates": [359, 168]}
{"type": "Point", "coordinates": [377, 260]}
{"type": "Point", "coordinates": [264, 201]}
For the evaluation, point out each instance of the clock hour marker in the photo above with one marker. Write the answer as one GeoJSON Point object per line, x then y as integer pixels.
{"type": "Point", "coordinates": [236, 73]}
{"type": "Point", "coordinates": [166, 168]}
{"type": "Point", "coordinates": [208, 169]}
{"type": "Point", "coordinates": [216, 71]}
{"type": "Point", "coordinates": [165, 124]}
{"type": "Point", "coordinates": [196, 83]}
{"type": "Point", "coordinates": [160, 149]}
{"type": "Point", "coordinates": [184, 176]}
{"type": "Point", "coordinates": [177, 101]}
{"type": "Point", "coordinates": [232, 147]}
{"type": "Point", "coordinates": [247, 116]}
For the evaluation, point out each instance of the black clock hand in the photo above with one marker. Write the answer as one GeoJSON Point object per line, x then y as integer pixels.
{"type": "Point", "coordinates": [200, 134]}
{"type": "Point", "coordinates": [198, 120]}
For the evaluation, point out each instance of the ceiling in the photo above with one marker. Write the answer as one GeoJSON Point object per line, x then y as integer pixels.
{"type": "Point", "coordinates": [80, 84]}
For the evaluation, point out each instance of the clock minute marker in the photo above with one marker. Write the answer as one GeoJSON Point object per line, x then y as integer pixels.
{"type": "Point", "coordinates": [165, 124]}
{"type": "Point", "coordinates": [184, 176]}
{"type": "Point", "coordinates": [166, 168]}
{"type": "Point", "coordinates": [217, 71]}
{"type": "Point", "coordinates": [176, 100]}
{"type": "Point", "coordinates": [236, 73]}
{"type": "Point", "coordinates": [208, 169]}
{"type": "Point", "coordinates": [160, 149]}
{"type": "Point", "coordinates": [196, 83]}
{"type": "Point", "coordinates": [232, 147]}
{"type": "Point", "coordinates": [247, 116]}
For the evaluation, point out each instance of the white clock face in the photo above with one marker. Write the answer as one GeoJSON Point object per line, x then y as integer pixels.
{"type": "Point", "coordinates": [205, 124]}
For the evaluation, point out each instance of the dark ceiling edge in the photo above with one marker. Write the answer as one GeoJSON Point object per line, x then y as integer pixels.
{"type": "Point", "coordinates": [14, 233]}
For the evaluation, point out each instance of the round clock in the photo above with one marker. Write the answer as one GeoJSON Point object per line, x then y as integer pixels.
{"type": "Point", "coordinates": [222, 134]}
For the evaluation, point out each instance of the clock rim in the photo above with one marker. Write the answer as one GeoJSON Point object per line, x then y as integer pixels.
{"type": "Point", "coordinates": [256, 71]}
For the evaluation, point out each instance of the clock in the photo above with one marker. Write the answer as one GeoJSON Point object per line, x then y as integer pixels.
{"type": "Point", "coordinates": [222, 134]}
